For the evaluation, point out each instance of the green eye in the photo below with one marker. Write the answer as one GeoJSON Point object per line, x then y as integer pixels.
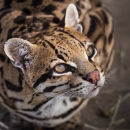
{"type": "Point", "coordinates": [61, 68]}
{"type": "Point", "coordinates": [89, 51]}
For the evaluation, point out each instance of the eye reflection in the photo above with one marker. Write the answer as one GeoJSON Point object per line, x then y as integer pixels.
{"type": "Point", "coordinates": [89, 51]}
{"type": "Point", "coordinates": [60, 68]}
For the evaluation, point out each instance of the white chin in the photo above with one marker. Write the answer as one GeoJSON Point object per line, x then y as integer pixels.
{"type": "Point", "coordinates": [93, 93]}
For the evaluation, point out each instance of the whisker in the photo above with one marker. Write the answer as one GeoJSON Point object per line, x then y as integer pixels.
{"type": "Point", "coordinates": [33, 93]}
{"type": "Point", "coordinates": [112, 79]}
{"type": "Point", "coordinates": [50, 102]}
{"type": "Point", "coordinates": [106, 84]}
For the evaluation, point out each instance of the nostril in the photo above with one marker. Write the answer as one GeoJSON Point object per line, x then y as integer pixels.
{"type": "Point", "coordinates": [90, 80]}
{"type": "Point", "coordinates": [93, 77]}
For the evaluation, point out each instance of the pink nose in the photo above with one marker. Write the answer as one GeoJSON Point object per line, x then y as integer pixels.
{"type": "Point", "coordinates": [93, 77]}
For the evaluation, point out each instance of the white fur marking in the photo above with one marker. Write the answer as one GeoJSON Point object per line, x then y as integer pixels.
{"type": "Point", "coordinates": [72, 64]}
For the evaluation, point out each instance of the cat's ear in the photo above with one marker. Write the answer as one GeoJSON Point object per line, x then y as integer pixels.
{"type": "Point", "coordinates": [72, 18]}
{"type": "Point", "coordinates": [18, 51]}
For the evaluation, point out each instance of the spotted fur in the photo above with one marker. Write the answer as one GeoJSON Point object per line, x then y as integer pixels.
{"type": "Point", "coordinates": [49, 80]}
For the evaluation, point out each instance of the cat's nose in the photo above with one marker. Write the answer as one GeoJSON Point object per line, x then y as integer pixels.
{"type": "Point", "coordinates": [93, 77]}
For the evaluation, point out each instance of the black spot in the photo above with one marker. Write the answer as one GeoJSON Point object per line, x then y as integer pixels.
{"type": "Point", "coordinates": [42, 79]}
{"type": "Point", "coordinates": [30, 29]}
{"type": "Point", "coordinates": [20, 19]}
{"type": "Point", "coordinates": [51, 88]}
{"type": "Point", "coordinates": [61, 57]}
{"type": "Point", "coordinates": [49, 9]}
{"type": "Point", "coordinates": [20, 1]}
{"type": "Point", "coordinates": [63, 11]}
{"type": "Point", "coordinates": [7, 3]}
{"type": "Point", "coordinates": [38, 94]}
{"type": "Point", "coordinates": [45, 25]}
{"type": "Point", "coordinates": [72, 86]}
{"type": "Point", "coordinates": [8, 60]}
{"type": "Point", "coordinates": [56, 51]}
{"type": "Point", "coordinates": [22, 28]}
{"type": "Point", "coordinates": [73, 99]}
{"type": "Point", "coordinates": [2, 57]}
{"type": "Point", "coordinates": [13, 87]}
{"type": "Point", "coordinates": [78, 3]}
{"type": "Point", "coordinates": [9, 35]}
{"type": "Point", "coordinates": [101, 70]}
{"type": "Point", "coordinates": [1, 71]}
{"type": "Point", "coordinates": [105, 17]}
{"type": "Point", "coordinates": [47, 69]}
{"type": "Point", "coordinates": [26, 11]}
{"type": "Point", "coordinates": [62, 23]}
{"type": "Point", "coordinates": [4, 13]}
{"type": "Point", "coordinates": [110, 37]}
{"type": "Point", "coordinates": [20, 79]}
{"type": "Point", "coordinates": [104, 47]}
{"type": "Point", "coordinates": [56, 20]}
{"type": "Point", "coordinates": [39, 113]}
{"type": "Point", "coordinates": [93, 23]}
{"type": "Point", "coordinates": [44, 45]}
{"type": "Point", "coordinates": [64, 102]}
{"type": "Point", "coordinates": [50, 44]}
{"type": "Point", "coordinates": [53, 60]}
{"type": "Point", "coordinates": [34, 19]}
{"type": "Point", "coordinates": [60, 34]}
{"type": "Point", "coordinates": [24, 37]}
{"type": "Point", "coordinates": [36, 2]}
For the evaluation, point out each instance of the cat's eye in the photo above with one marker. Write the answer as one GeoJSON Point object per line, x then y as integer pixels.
{"type": "Point", "coordinates": [60, 68]}
{"type": "Point", "coordinates": [90, 51]}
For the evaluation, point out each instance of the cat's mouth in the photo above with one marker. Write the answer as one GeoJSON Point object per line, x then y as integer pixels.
{"type": "Point", "coordinates": [96, 87]}
{"type": "Point", "coordinates": [88, 92]}
{"type": "Point", "coordinates": [93, 92]}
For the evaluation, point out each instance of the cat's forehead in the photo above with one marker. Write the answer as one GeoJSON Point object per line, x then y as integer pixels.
{"type": "Point", "coordinates": [62, 43]}
{"type": "Point", "coordinates": [66, 37]}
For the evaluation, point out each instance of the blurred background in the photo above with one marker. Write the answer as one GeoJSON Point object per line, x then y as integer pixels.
{"type": "Point", "coordinates": [111, 108]}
